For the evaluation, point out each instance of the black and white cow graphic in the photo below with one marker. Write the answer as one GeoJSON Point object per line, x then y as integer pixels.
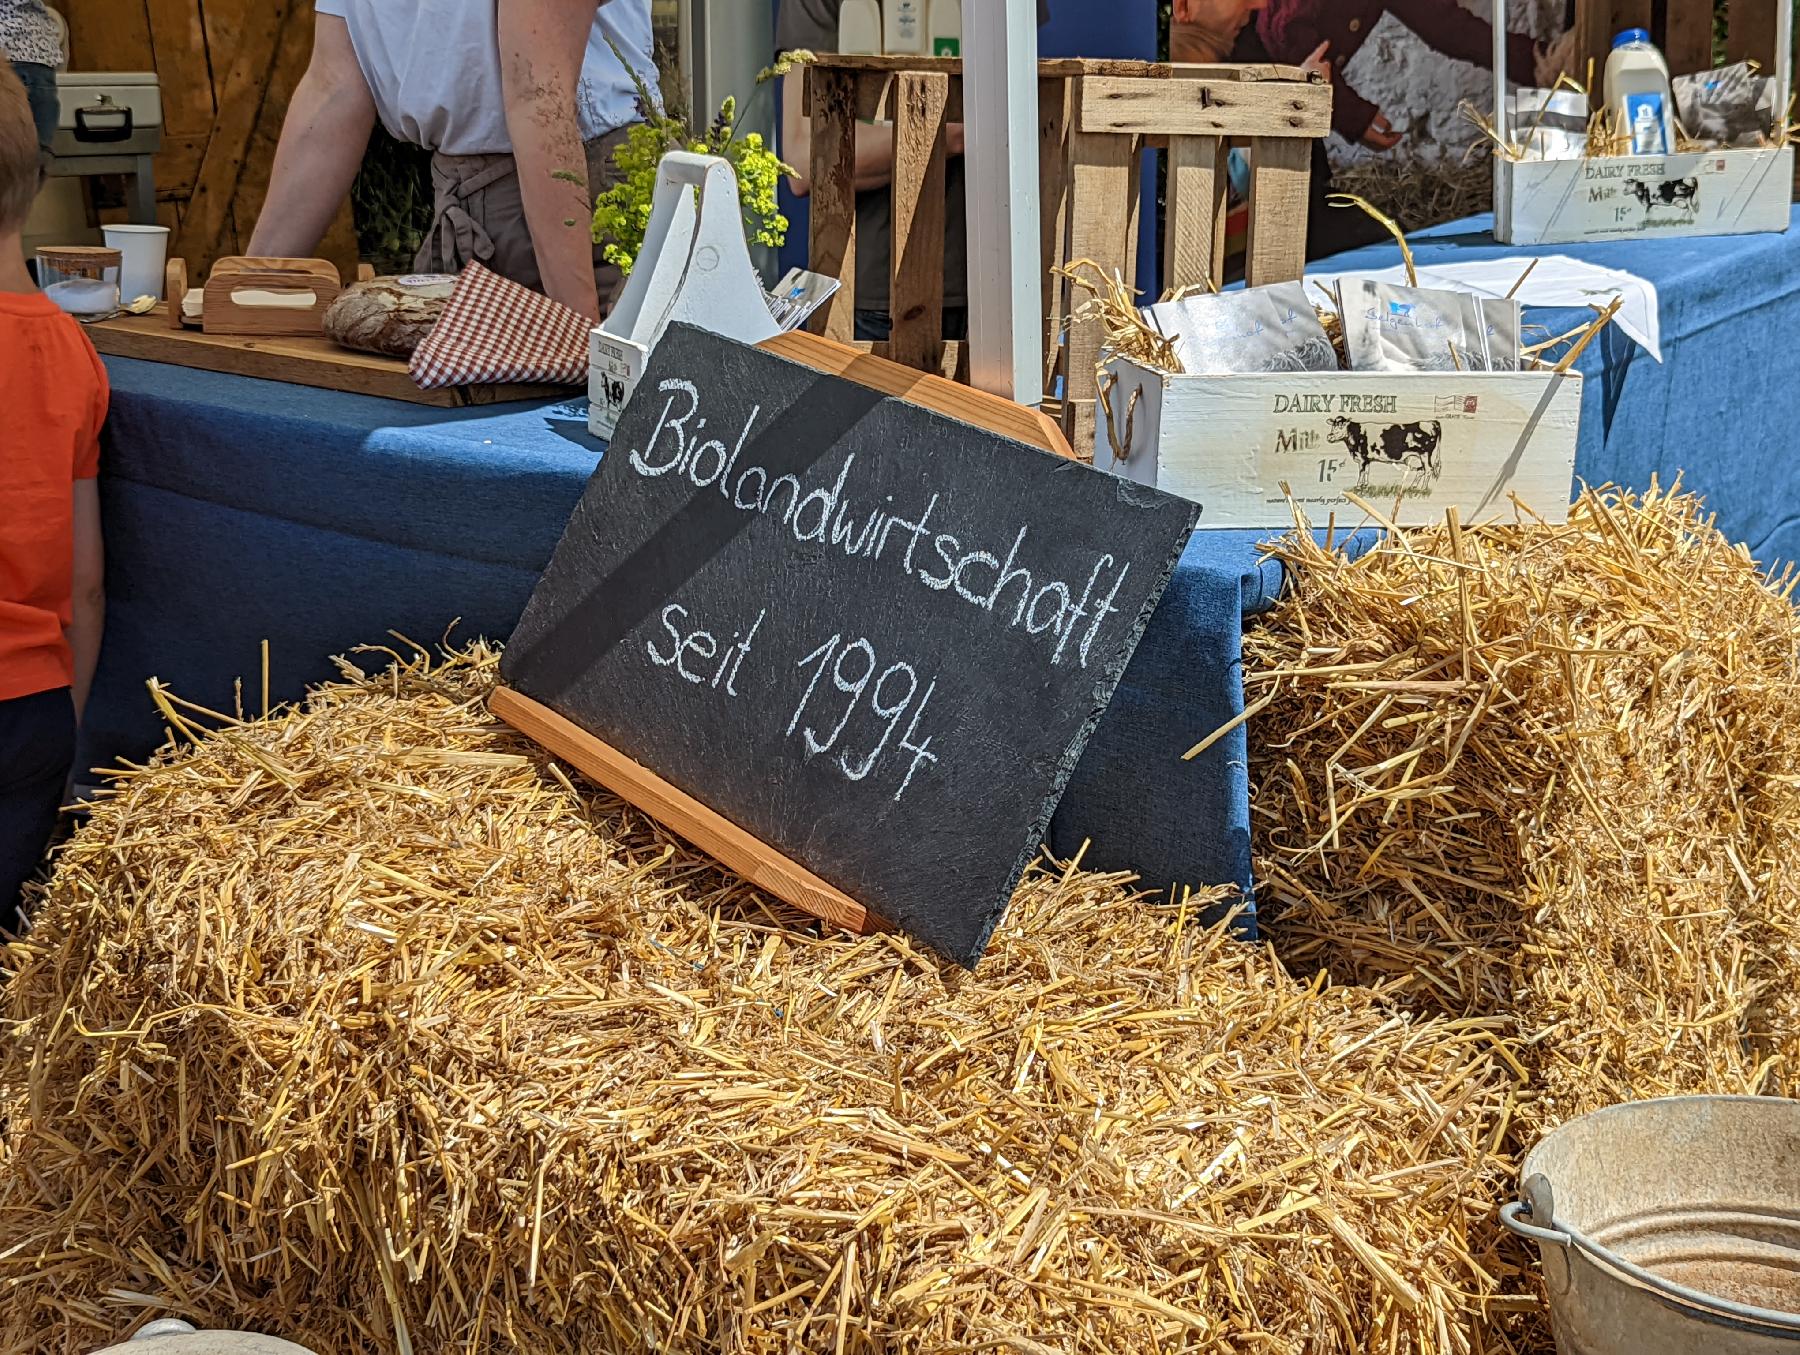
{"type": "Point", "coordinates": [1412, 445]}
{"type": "Point", "coordinates": [1682, 193]}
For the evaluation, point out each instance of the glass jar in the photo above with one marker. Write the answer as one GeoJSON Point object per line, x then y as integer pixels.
{"type": "Point", "coordinates": [82, 279]}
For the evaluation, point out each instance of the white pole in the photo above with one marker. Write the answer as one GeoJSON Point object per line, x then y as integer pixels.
{"type": "Point", "coordinates": [1784, 59]}
{"type": "Point", "coordinates": [1000, 115]}
{"type": "Point", "coordinates": [1500, 70]}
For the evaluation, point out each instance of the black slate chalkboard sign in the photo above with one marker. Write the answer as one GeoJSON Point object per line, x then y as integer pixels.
{"type": "Point", "coordinates": [873, 637]}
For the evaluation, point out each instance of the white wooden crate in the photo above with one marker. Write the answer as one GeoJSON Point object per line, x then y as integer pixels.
{"type": "Point", "coordinates": [1719, 192]}
{"type": "Point", "coordinates": [1463, 440]}
{"type": "Point", "coordinates": [1726, 192]}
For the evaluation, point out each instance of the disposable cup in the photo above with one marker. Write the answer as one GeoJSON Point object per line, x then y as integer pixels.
{"type": "Point", "coordinates": [145, 250]}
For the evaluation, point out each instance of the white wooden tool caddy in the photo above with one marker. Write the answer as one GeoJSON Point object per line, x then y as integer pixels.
{"type": "Point", "coordinates": [694, 267]}
{"type": "Point", "coordinates": [1243, 445]}
{"type": "Point", "coordinates": [1717, 192]}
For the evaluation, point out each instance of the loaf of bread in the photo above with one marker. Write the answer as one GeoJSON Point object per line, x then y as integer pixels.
{"type": "Point", "coordinates": [388, 315]}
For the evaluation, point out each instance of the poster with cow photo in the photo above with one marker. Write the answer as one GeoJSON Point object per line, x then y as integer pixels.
{"type": "Point", "coordinates": [1251, 447]}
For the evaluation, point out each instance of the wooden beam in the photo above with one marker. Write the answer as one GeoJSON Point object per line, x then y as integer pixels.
{"type": "Point", "coordinates": [179, 38]}
{"type": "Point", "coordinates": [916, 286]}
{"type": "Point", "coordinates": [239, 102]}
{"type": "Point", "coordinates": [1750, 35]}
{"type": "Point", "coordinates": [1204, 107]}
{"type": "Point", "coordinates": [714, 834]}
{"type": "Point", "coordinates": [1194, 223]}
{"type": "Point", "coordinates": [1276, 248]}
{"type": "Point", "coordinates": [831, 97]}
{"type": "Point", "coordinates": [1069, 69]}
{"type": "Point", "coordinates": [1688, 44]}
{"type": "Point", "coordinates": [113, 35]}
{"type": "Point", "coordinates": [1101, 168]}
{"type": "Point", "coordinates": [1054, 118]}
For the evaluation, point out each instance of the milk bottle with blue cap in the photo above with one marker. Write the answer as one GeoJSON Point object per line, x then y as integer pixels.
{"type": "Point", "coordinates": [1637, 92]}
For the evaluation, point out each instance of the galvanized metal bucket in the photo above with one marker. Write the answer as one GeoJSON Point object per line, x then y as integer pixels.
{"type": "Point", "coordinates": [1669, 1227]}
{"type": "Point", "coordinates": [171, 1336]}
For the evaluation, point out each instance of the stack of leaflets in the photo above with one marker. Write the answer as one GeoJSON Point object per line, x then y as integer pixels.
{"type": "Point", "coordinates": [1389, 328]}
{"type": "Point", "coordinates": [1259, 329]}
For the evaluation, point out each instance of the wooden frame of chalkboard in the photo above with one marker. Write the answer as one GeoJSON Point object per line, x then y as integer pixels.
{"type": "Point", "coordinates": [674, 808]}
{"type": "Point", "coordinates": [845, 626]}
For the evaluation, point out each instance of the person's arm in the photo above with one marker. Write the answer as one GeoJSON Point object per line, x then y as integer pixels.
{"type": "Point", "coordinates": [322, 142]}
{"type": "Point", "coordinates": [542, 44]}
{"type": "Point", "coordinates": [874, 143]}
{"type": "Point", "coordinates": [87, 607]}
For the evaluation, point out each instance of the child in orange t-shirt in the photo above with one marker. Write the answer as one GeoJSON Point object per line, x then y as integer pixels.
{"type": "Point", "coordinates": [53, 396]}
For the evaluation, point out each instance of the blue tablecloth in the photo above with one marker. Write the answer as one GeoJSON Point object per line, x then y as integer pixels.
{"type": "Point", "coordinates": [240, 510]}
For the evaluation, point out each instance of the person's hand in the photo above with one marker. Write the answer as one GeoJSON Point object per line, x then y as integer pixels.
{"type": "Point", "coordinates": [1555, 60]}
{"type": "Point", "coordinates": [1381, 135]}
{"type": "Point", "coordinates": [1316, 64]}
{"type": "Point", "coordinates": [953, 138]}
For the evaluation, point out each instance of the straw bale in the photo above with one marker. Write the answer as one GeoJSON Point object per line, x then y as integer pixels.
{"type": "Point", "coordinates": [1550, 774]}
{"type": "Point", "coordinates": [360, 1024]}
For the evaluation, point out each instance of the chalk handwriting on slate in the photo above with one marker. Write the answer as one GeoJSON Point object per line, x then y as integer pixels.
{"type": "Point", "coordinates": [869, 635]}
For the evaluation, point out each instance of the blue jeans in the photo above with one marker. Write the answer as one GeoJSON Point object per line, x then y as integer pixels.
{"type": "Point", "coordinates": [37, 748]}
{"type": "Point", "coordinates": [878, 326]}
{"type": "Point", "coordinates": [40, 89]}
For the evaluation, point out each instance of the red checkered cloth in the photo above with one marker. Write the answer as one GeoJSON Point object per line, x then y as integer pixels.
{"type": "Point", "coordinates": [494, 331]}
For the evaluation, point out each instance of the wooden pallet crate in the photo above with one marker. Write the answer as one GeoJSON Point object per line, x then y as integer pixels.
{"type": "Point", "coordinates": [1096, 118]}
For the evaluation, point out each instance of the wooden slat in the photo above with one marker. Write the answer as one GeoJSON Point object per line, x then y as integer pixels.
{"type": "Point", "coordinates": [920, 156]}
{"type": "Point", "coordinates": [113, 35]}
{"type": "Point", "coordinates": [239, 100]}
{"type": "Point", "coordinates": [224, 22]}
{"type": "Point", "coordinates": [927, 390]}
{"type": "Point", "coordinates": [1053, 212]}
{"type": "Point", "coordinates": [832, 227]}
{"type": "Point", "coordinates": [1751, 34]}
{"type": "Point", "coordinates": [1204, 107]}
{"type": "Point", "coordinates": [875, 92]}
{"type": "Point", "coordinates": [1688, 46]}
{"type": "Point", "coordinates": [178, 166]}
{"type": "Point", "coordinates": [1631, 14]}
{"type": "Point", "coordinates": [759, 864]}
{"type": "Point", "coordinates": [1101, 168]}
{"type": "Point", "coordinates": [1276, 248]}
{"type": "Point", "coordinates": [1069, 69]}
{"type": "Point", "coordinates": [1593, 39]}
{"type": "Point", "coordinates": [1194, 219]}
{"type": "Point", "coordinates": [179, 39]}
{"type": "Point", "coordinates": [298, 361]}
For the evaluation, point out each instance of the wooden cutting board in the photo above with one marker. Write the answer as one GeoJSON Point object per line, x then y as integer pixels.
{"type": "Point", "coordinates": [298, 359]}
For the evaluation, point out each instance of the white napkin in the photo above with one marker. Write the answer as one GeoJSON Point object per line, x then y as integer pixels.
{"type": "Point", "coordinates": [1556, 281]}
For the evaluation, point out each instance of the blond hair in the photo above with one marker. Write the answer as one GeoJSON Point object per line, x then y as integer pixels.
{"type": "Point", "coordinates": [20, 163]}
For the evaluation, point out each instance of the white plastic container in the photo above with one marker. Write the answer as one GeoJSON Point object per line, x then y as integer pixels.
{"type": "Point", "coordinates": [859, 28]}
{"type": "Point", "coordinates": [945, 28]}
{"type": "Point", "coordinates": [903, 28]}
{"type": "Point", "coordinates": [1638, 93]}
{"type": "Point", "coordinates": [143, 251]}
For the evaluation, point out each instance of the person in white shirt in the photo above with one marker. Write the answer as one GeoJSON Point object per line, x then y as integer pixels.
{"type": "Point", "coordinates": [521, 103]}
